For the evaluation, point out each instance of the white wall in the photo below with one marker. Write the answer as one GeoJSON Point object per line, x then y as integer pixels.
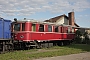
{"type": "Point", "coordinates": [60, 21]}
{"type": "Point", "coordinates": [63, 20]}
{"type": "Point", "coordinates": [66, 21]}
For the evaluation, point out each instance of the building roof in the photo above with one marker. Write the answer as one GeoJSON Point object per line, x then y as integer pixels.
{"type": "Point", "coordinates": [76, 25]}
{"type": "Point", "coordinates": [56, 18]}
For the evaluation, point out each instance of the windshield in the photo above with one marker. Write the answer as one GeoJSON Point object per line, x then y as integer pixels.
{"type": "Point", "coordinates": [17, 27]}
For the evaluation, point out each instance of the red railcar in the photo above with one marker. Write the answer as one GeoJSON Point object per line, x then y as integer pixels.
{"type": "Point", "coordinates": [30, 33]}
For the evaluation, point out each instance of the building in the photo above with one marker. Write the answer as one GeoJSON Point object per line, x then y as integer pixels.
{"type": "Point", "coordinates": [63, 19]}
{"type": "Point", "coordinates": [69, 20]}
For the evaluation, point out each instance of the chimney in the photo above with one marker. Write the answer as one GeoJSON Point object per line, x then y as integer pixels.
{"type": "Point", "coordinates": [71, 18]}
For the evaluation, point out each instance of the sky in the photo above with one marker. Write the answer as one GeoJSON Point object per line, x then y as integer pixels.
{"type": "Point", "coordinates": [45, 9]}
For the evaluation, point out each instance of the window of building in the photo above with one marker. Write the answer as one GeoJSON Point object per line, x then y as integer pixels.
{"type": "Point", "coordinates": [23, 26]}
{"type": "Point", "coordinates": [56, 28]}
{"type": "Point", "coordinates": [49, 28]}
{"type": "Point", "coordinates": [33, 27]}
{"type": "Point", "coordinates": [41, 28]}
{"type": "Point", "coordinates": [17, 27]}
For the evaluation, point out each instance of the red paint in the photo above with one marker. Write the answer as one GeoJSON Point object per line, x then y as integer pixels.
{"type": "Point", "coordinates": [61, 29]}
{"type": "Point", "coordinates": [43, 36]}
{"type": "Point", "coordinates": [46, 28]}
{"type": "Point", "coordinates": [53, 28]}
{"type": "Point", "coordinates": [37, 27]}
{"type": "Point", "coordinates": [28, 26]}
{"type": "Point", "coordinates": [28, 35]}
{"type": "Point", "coordinates": [70, 30]}
{"type": "Point", "coordinates": [20, 27]}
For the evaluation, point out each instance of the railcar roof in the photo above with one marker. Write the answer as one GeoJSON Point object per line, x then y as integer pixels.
{"type": "Point", "coordinates": [5, 19]}
{"type": "Point", "coordinates": [49, 23]}
{"type": "Point", "coordinates": [41, 22]}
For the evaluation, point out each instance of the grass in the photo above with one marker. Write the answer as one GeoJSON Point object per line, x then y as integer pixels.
{"type": "Point", "coordinates": [45, 52]}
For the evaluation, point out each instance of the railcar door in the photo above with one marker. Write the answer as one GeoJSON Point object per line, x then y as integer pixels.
{"type": "Point", "coordinates": [7, 29]}
{"type": "Point", "coordinates": [33, 34]}
{"type": "Point", "coordinates": [69, 33]}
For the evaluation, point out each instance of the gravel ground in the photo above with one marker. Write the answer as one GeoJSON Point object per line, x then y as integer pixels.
{"type": "Point", "coordinates": [81, 56]}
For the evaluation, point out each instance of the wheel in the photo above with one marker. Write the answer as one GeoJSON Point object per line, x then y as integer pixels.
{"type": "Point", "coordinates": [60, 43]}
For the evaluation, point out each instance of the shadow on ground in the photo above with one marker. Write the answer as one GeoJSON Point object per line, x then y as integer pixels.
{"type": "Point", "coordinates": [83, 47]}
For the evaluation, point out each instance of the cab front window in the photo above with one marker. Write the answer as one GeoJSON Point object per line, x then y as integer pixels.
{"type": "Point", "coordinates": [17, 27]}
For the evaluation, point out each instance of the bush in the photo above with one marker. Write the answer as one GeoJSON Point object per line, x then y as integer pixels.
{"type": "Point", "coordinates": [79, 39]}
{"type": "Point", "coordinates": [78, 35]}
{"type": "Point", "coordinates": [88, 42]}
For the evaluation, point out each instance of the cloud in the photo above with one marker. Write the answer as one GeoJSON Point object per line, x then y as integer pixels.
{"type": "Point", "coordinates": [29, 7]}
{"type": "Point", "coordinates": [85, 15]}
{"type": "Point", "coordinates": [10, 14]}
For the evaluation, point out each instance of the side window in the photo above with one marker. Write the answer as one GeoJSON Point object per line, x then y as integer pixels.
{"type": "Point", "coordinates": [33, 27]}
{"type": "Point", "coordinates": [69, 29]}
{"type": "Point", "coordinates": [17, 27]}
{"type": "Point", "coordinates": [49, 28]}
{"type": "Point", "coordinates": [66, 29]}
{"type": "Point", "coordinates": [41, 28]}
{"type": "Point", "coordinates": [23, 26]}
{"type": "Point", "coordinates": [72, 30]}
{"type": "Point", "coordinates": [56, 28]}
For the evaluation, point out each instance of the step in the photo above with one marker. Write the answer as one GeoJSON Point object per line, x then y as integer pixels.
{"type": "Point", "coordinates": [33, 45]}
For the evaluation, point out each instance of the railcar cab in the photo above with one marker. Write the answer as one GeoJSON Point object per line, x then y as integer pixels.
{"type": "Point", "coordinates": [30, 30]}
{"type": "Point", "coordinates": [42, 28]}
{"type": "Point", "coordinates": [18, 26]}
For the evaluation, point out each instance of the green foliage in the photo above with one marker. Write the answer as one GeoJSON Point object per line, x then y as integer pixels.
{"type": "Point", "coordinates": [78, 35]}
{"type": "Point", "coordinates": [80, 40]}
{"type": "Point", "coordinates": [86, 39]}
{"type": "Point", "coordinates": [46, 52]}
{"type": "Point", "coordinates": [88, 42]}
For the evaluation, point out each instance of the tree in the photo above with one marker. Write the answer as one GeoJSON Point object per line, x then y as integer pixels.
{"type": "Point", "coordinates": [86, 39]}
{"type": "Point", "coordinates": [78, 35]}
{"type": "Point", "coordinates": [82, 38]}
